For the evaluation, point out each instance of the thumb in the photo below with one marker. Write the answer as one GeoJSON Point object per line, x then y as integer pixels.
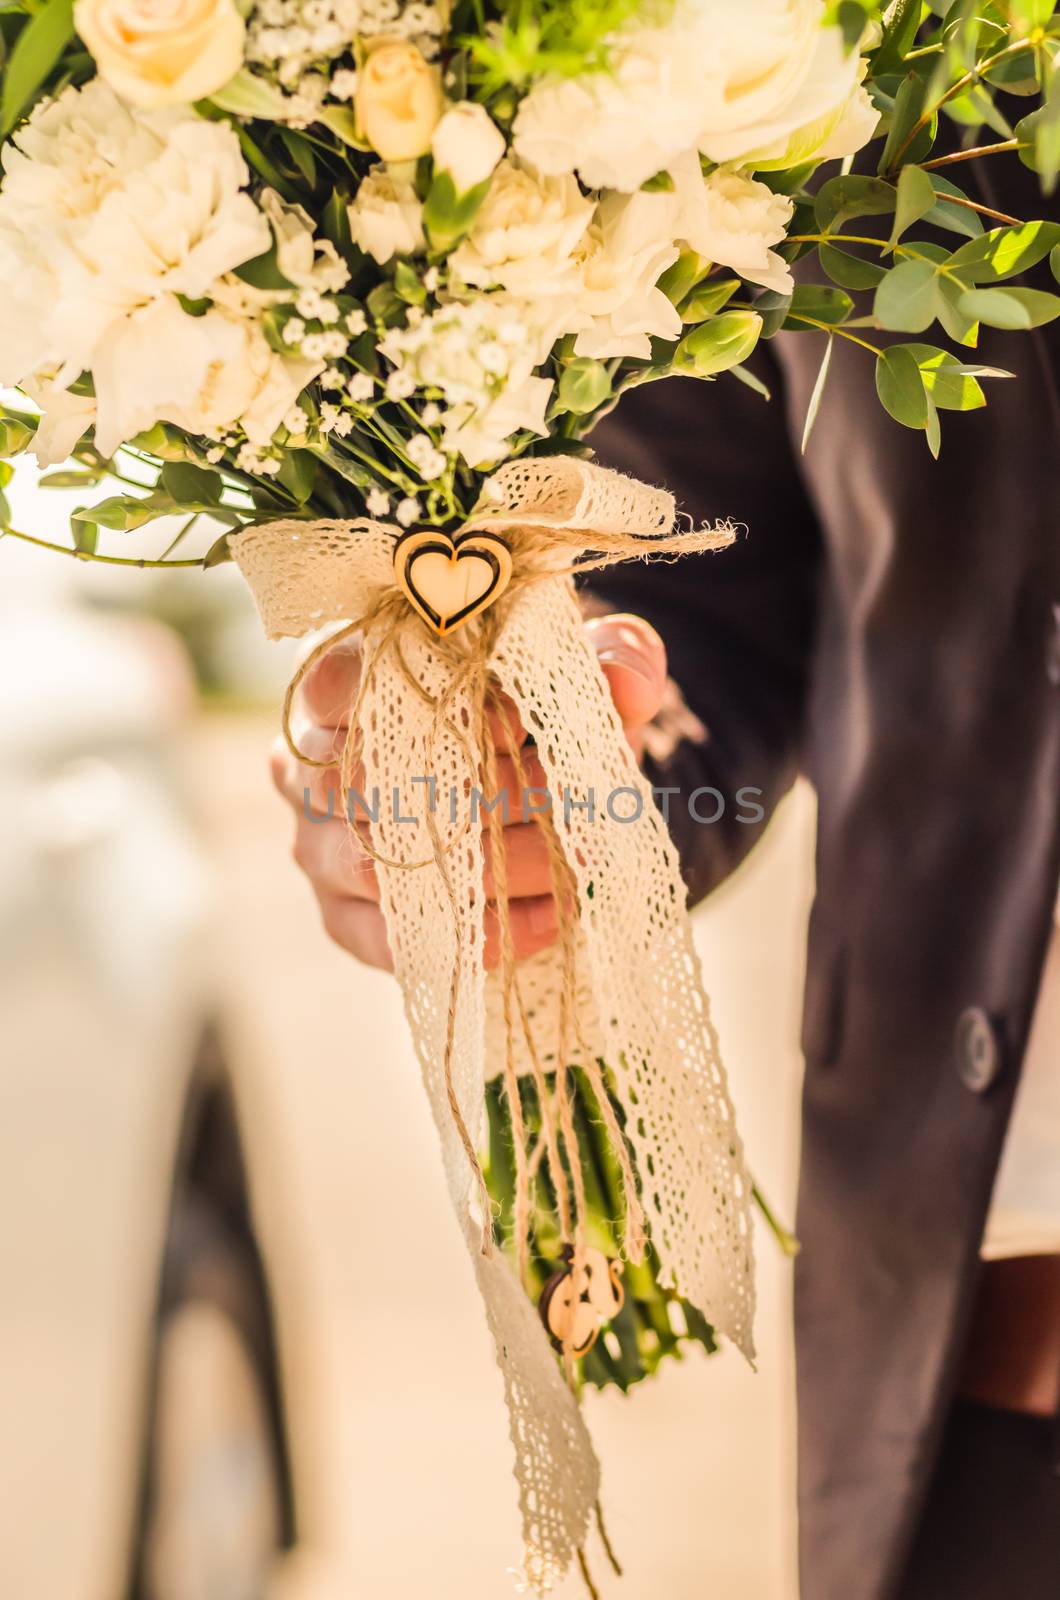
{"type": "Point", "coordinates": [634, 661]}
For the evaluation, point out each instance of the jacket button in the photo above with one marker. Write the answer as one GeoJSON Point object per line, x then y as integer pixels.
{"type": "Point", "coordinates": [978, 1050]}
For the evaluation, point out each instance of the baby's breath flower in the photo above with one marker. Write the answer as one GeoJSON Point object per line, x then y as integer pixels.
{"type": "Point", "coordinates": [361, 386]}
{"type": "Point", "coordinates": [293, 331]}
{"type": "Point", "coordinates": [400, 385]}
{"type": "Point", "coordinates": [356, 321]}
{"type": "Point", "coordinates": [407, 511]}
{"type": "Point", "coordinates": [378, 503]}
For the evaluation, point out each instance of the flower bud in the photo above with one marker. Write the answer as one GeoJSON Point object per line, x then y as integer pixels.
{"type": "Point", "coordinates": [399, 101]}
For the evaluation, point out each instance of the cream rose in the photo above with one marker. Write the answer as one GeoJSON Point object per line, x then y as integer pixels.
{"type": "Point", "coordinates": [163, 52]}
{"type": "Point", "coordinates": [399, 101]}
{"type": "Point", "coordinates": [467, 144]}
{"type": "Point", "coordinates": [386, 218]}
{"type": "Point", "coordinates": [525, 234]}
{"type": "Point", "coordinates": [733, 220]}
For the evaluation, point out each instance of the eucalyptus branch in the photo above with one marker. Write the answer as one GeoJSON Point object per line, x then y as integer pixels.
{"type": "Point", "coordinates": [833, 328]}
{"type": "Point", "coordinates": [90, 555]}
{"type": "Point", "coordinates": [972, 76]}
{"type": "Point", "coordinates": [984, 211]}
{"type": "Point", "coordinates": [973, 155]}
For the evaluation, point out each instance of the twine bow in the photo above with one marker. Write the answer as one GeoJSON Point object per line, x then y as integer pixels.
{"type": "Point", "coordinates": [622, 985]}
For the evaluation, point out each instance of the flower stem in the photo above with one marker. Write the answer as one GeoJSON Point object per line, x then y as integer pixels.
{"type": "Point", "coordinates": [90, 555]}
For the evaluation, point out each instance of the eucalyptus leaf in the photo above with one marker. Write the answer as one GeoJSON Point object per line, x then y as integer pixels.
{"type": "Point", "coordinates": [848, 270]}
{"type": "Point", "coordinates": [819, 302]}
{"type": "Point", "coordinates": [818, 391]}
{"type": "Point", "coordinates": [907, 298]}
{"type": "Point", "coordinates": [1005, 252]}
{"type": "Point", "coordinates": [189, 485]}
{"type": "Point", "coordinates": [915, 198]}
{"type": "Point", "coordinates": [901, 387]}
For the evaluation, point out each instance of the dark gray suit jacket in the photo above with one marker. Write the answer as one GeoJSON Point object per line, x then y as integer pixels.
{"type": "Point", "coordinates": [891, 627]}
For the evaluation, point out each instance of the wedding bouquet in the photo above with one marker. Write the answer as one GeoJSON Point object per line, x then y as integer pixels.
{"type": "Point", "coordinates": [346, 283]}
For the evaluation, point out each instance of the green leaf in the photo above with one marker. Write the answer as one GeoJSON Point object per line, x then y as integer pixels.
{"type": "Point", "coordinates": [899, 30]}
{"type": "Point", "coordinates": [820, 303]}
{"type": "Point", "coordinates": [1012, 307]}
{"type": "Point", "coordinates": [1005, 252]}
{"type": "Point", "coordinates": [818, 390]}
{"type": "Point", "coordinates": [901, 387]}
{"type": "Point", "coordinates": [584, 386]}
{"type": "Point", "coordinates": [707, 300]}
{"type": "Point", "coordinates": [678, 281]}
{"type": "Point", "coordinates": [1054, 262]}
{"type": "Point", "coordinates": [263, 272]}
{"type": "Point", "coordinates": [960, 327]}
{"type": "Point", "coordinates": [1047, 135]}
{"type": "Point", "coordinates": [932, 426]}
{"type": "Point", "coordinates": [36, 51]}
{"type": "Point", "coordinates": [248, 95]}
{"type": "Point", "coordinates": [298, 474]}
{"type": "Point", "coordinates": [85, 536]}
{"type": "Point", "coordinates": [189, 485]}
{"type": "Point", "coordinates": [948, 214]}
{"type": "Point", "coordinates": [951, 385]}
{"type": "Point", "coordinates": [715, 346]}
{"type": "Point", "coordinates": [124, 513]}
{"type": "Point", "coordinates": [447, 215]}
{"type": "Point", "coordinates": [916, 197]}
{"type": "Point", "coordinates": [69, 479]}
{"type": "Point", "coordinates": [218, 553]}
{"type": "Point", "coordinates": [909, 105]}
{"type": "Point", "coordinates": [343, 124]}
{"type": "Point", "coordinates": [852, 195]}
{"type": "Point", "coordinates": [907, 298]}
{"type": "Point", "coordinates": [408, 283]}
{"type": "Point", "coordinates": [301, 153]}
{"type": "Point", "coordinates": [848, 270]}
{"type": "Point", "coordinates": [14, 436]}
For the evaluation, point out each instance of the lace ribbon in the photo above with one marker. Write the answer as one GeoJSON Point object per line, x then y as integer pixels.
{"type": "Point", "coordinates": [624, 985]}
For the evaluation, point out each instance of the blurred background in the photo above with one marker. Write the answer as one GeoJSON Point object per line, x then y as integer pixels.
{"type": "Point", "coordinates": [217, 1380]}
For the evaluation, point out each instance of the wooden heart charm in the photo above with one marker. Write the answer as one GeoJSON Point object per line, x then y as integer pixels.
{"type": "Point", "coordinates": [580, 1298]}
{"type": "Point", "coordinates": [448, 581]}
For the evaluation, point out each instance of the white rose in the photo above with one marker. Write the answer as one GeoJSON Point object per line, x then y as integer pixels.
{"type": "Point", "coordinates": [773, 70]}
{"type": "Point", "coordinates": [733, 220]}
{"type": "Point", "coordinates": [618, 307]}
{"type": "Point", "coordinates": [467, 144]}
{"type": "Point", "coordinates": [739, 81]}
{"type": "Point", "coordinates": [386, 217]}
{"type": "Point", "coordinates": [524, 234]}
{"type": "Point", "coordinates": [163, 52]}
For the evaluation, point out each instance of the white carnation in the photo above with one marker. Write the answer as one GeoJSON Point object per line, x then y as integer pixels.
{"type": "Point", "coordinates": [618, 308]}
{"type": "Point", "coordinates": [733, 220]}
{"type": "Point", "coordinates": [386, 217]}
{"type": "Point", "coordinates": [107, 216]}
{"type": "Point", "coordinates": [524, 234]}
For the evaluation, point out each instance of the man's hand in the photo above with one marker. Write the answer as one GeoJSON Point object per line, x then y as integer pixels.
{"type": "Point", "coordinates": [343, 877]}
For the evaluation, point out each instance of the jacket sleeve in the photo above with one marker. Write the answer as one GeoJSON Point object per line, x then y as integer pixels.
{"type": "Point", "coordinates": [738, 624]}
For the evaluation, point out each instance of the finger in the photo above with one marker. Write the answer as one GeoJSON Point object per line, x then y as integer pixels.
{"type": "Point", "coordinates": [528, 871]}
{"type": "Point", "coordinates": [534, 926]}
{"type": "Point", "coordinates": [634, 661]}
{"type": "Point", "coordinates": [515, 795]}
{"type": "Point", "coordinates": [330, 686]}
{"type": "Point", "coordinates": [358, 927]}
{"type": "Point", "coordinates": [505, 724]}
{"type": "Point", "coordinates": [329, 855]}
{"type": "Point", "coordinates": [320, 790]}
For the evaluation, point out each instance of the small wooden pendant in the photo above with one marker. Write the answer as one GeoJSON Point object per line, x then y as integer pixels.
{"type": "Point", "coordinates": [579, 1298]}
{"type": "Point", "coordinates": [448, 581]}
